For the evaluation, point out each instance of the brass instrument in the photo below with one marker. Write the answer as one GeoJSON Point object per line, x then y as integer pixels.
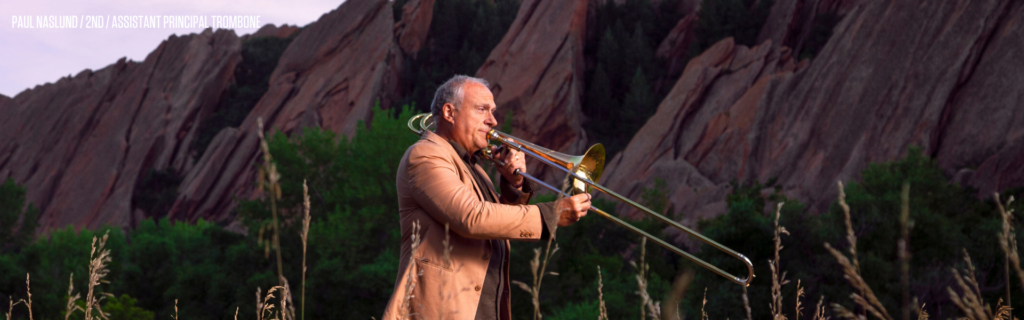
{"type": "Point", "coordinates": [582, 171]}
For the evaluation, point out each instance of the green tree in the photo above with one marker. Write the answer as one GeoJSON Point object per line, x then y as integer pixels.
{"type": "Point", "coordinates": [621, 46]}
{"type": "Point", "coordinates": [252, 78]}
{"type": "Point", "coordinates": [354, 239]}
{"type": "Point", "coordinates": [947, 218]}
{"type": "Point", "coordinates": [123, 308]}
{"type": "Point", "coordinates": [740, 19]}
{"type": "Point", "coordinates": [157, 191]}
{"type": "Point", "coordinates": [15, 234]}
{"type": "Point", "coordinates": [461, 36]}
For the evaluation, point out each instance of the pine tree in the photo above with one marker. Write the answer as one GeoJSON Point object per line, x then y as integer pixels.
{"type": "Point", "coordinates": [12, 200]}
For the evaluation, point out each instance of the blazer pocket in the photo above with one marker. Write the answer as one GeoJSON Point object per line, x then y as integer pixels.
{"type": "Point", "coordinates": [434, 264]}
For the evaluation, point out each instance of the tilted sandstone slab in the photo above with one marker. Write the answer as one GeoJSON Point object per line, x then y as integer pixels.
{"type": "Point", "coordinates": [713, 103]}
{"type": "Point", "coordinates": [939, 75]}
{"type": "Point", "coordinates": [81, 145]}
{"type": "Point", "coordinates": [536, 72]}
{"type": "Point", "coordinates": [412, 30]}
{"type": "Point", "coordinates": [329, 77]}
{"type": "Point", "coordinates": [892, 77]}
{"type": "Point", "coordinates": [981, 124]}
{"type": "Point", "coordinates": [676, 45]}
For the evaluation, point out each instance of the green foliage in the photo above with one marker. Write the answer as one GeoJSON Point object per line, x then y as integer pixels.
{"type": "Point", "coordinates": [12, 208]}
{"type": "Point", "coordinates": [747, 229]}
{"type": "Point", "coordinates": [656, 198]}
{"type": "Point", "coordinates": [352, 250]}
{"type": "Point", "coordinates": [461, 36]}
{"type": "Point", "coordinates": [947, 218]}
{"type": "Point", "coordinates": [208, 269]}
{"type": "Point", "coordinates": [740, 19]}
{"type": "Point", "coordinates": [622, 88]}
{"type": "Point", "coordinates": [51, 260]}
{"type": "Point", "coordinates": [592, 242]}
{"type": "Point", "coordinates": [123, 308]}
{"type": "Point", "coordinates": [573, 311]}
{"type": "Point", "coordinates": [156, 192]}
{"type": "Point", "coordinates": [252, 77]}
{"type": "Point", "coordinates": [353, 241]}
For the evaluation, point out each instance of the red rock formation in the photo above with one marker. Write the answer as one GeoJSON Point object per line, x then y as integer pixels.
{"type": "Point", "coordinates": [676, 45]}
{"type": "Point", "coordinates": [785, 21]}
{"type": "Point", "coordinates": [271, 30]}
{"type": "Point", "coordinates": [536, 71]}
{"type": "Point", "coordinates": [329, 76]}
{"type": "Point", "coordinates": [81, 144]}
{"type": "Point", "coordinates": [713, 104]}
{"type": "Point", "coordinates": [939, 75]}
{"type": "Point", "coordinates": [412, 30]}
{"type": "Point", "coordinates": [981, 123]}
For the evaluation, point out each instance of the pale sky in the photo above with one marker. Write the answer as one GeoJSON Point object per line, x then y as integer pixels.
{"type": "Point", "coordinates": [30, 57]}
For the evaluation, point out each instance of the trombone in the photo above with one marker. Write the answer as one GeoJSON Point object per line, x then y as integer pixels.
{"type": "Point", "coordinates": [582, 171]}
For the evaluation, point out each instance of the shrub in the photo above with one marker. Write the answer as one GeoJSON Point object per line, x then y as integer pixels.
{"type": "Point", "coordinates": [14, 234]}
{"type": "Point", "coordinates": [353, 238]}
{"type": "Point", "coordinates": [123, 308]}
{"type": "Point", "coordinates": [946, 218]}
{"type": "Point", "coordinates": [156, 192]}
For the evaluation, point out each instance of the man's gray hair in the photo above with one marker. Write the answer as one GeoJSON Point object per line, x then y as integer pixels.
{"type": "Point", "coordinates": [451, 92]}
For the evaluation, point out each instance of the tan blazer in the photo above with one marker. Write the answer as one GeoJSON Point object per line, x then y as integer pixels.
{"type": "Point", "coordinates": [435, 187]}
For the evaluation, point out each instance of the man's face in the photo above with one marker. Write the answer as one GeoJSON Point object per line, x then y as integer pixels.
{"type": "Point", "coordinates": [474, 119]}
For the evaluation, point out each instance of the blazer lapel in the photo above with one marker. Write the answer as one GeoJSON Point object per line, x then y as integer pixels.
{"type": "Point", "coordinates": [463, 171]}
{"type": "Point", "coordinates": [490, 188]}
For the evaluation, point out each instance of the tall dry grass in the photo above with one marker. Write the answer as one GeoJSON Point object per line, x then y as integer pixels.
{"type": "Point", "coordinates": [99, 257]}
{"type": "Point", "coordinates": [27, 301]}
{"type": "Point", "coordinates": [305, 240]}
{"type": "Point", "coordinates": [602, 311]}
{"type": "Point", "coordinates": [902, 248]}
{"type": "Point", "coordinates": [675, 295]}
{"type": "Point", "coordinates": [646, 303]}
{"type": "Point", "coordinates": [777, 280]}
{"type": "Point", "coordinates": [538, 268]}
{"type": "Point", "coordinates": [1008, 243]}
{"type": "Point", "coordinates": [269, 180]}
{"type": "Point", "coordinates": [410, 282]}
{"type": "Point", "coordinates": [864, 296]}
{"type": "Point", "coordinates": [969, 299]}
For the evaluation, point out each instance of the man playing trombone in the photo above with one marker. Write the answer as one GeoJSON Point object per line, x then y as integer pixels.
{"type": "Point", "coordinates": [442, 186]}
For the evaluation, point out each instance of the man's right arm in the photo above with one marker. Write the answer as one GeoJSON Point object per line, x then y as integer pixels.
{"type": "Point", "coordinates": [436, 186]}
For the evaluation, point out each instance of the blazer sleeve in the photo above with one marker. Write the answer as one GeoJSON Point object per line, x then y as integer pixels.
{"type": "Point", "coordinates": [437, 188]}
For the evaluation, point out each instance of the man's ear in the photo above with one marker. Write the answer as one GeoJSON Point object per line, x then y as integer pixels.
{"type": "Point", "coordinates": [448, 111]}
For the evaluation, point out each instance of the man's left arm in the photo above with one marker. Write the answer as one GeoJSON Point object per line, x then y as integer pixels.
{"type": "Point", "coordinates": [511, 194]}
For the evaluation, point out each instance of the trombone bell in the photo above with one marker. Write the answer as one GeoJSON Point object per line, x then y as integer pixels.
{"type": "Point", "coordinates": [589, 165]}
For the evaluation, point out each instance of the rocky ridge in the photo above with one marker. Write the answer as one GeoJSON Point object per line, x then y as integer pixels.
{"type": "Point", "coordinates": [81, 144]}
{"type": "Point", "coordinates": [330, 76]}
{"type": "Point", "coordinates": [944, 83]}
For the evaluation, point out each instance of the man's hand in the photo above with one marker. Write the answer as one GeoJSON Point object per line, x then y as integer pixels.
{"type": "Point", "coordinates": [572, 209]}
{"type": "Point", "coordinates": [513, 160]}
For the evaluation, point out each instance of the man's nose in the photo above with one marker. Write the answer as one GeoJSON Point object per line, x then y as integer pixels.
{"type": "Point", "coordinates": [490, 121]}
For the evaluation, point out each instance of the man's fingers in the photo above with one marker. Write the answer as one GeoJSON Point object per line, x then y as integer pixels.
{"type": "Point", "coordinates": [581, 198]}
